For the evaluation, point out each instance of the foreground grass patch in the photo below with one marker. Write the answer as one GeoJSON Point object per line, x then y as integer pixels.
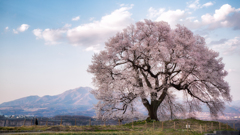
{"type": "Point", "coordinates": [148, 132]}
{"type": "Point", "coordinates": [174, 127]}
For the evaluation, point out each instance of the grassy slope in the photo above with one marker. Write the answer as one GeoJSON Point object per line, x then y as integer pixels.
{"type": "Point", "coordinates": [139, 127]}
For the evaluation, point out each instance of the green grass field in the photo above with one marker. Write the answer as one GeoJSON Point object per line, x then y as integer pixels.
{"type": "Point", "coordinates": [197, 127]}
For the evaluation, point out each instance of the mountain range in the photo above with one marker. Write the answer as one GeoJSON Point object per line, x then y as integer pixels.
{"type": "Point", "coordinates": [77, 101]}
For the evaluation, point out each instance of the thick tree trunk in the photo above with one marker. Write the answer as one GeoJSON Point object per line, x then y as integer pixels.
{"type": "Point", "coordinates": [152, 109]}
{"type": "Point", "coordinates": [152, 114]}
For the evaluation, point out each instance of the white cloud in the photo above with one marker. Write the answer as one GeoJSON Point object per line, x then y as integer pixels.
{"type": "Point", "coordinates": [225, 16]}
{"type": "Point", "coordinates": [224, 23]}
{"type": "Point", "coordinates": [194, 5]}
{"type": "Point", "coordinates": [196, 21]}
{"type": "Point", "coordinates": [99, 31]}
{"type": "Point", "coordinates": [6, 28]}
{"type": "Point", "coordinates": [207, 4]}
{"type": "Point", "coordinates": [221, 17]}
{"type": "Point", "coordinates": [90, 35]}
{"type": "Point", "coordinates": [95, 48]}
{"type": "Point", "coordinates": [228, 47]}
{"type": "Point", "coordinates": [66, 26]}
{"type": "Point", "coordinates": [15, 31]}
{"type": "Point", "coordinates": [207, 18]}
{"type": "Point", "coordinates": [51, 36]}
{"type": "Point", "coordinates": [126, 5]}
{"type": "Point", "coordinates": [76, 18]}
{"type": "Point", "coordinates": [22, 28]}
{"type": "Point", "coordinates": [37, 33]}
{"type": "Point", "coordinates": [221, 13]}
{"type": "Point", "coordinates": [152, 13]}
{"type": "Point", "coordinates": [173, 17]}
{"type": "Point", "coordinates": [190, 18]}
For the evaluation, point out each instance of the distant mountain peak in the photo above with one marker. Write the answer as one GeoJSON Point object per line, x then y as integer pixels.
{"type": "Point", "coordinates": [78, 97]}
{"type": "Point", "coordinates": [79, 90]}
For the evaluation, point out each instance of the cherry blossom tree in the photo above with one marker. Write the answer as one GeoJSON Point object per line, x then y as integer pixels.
{"type": "Point", "coordinates": [148, 61]}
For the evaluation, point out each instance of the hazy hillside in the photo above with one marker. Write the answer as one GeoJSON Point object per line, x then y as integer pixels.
{"type": "Point", "coordinates": [77, 101]}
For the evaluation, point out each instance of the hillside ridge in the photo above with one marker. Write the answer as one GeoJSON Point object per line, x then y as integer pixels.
{"type": "Point", "coordinates": [73, 101]}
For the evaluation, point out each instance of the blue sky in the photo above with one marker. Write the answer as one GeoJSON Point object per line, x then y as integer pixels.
{"type": "Point", "coordinates": [46, 46]}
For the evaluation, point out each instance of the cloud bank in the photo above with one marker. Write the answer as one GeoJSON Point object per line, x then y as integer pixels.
{"type": "Point", "coordinates": [93, 35]}
{"type": "Point", "coordinates": [90, 35]}
{"type": "Point", "coordinates": [225, 16]}
{"type": "Point", "coordinates": [98, 31]}
{"type": "Point", "coordinates": [52, 36]}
